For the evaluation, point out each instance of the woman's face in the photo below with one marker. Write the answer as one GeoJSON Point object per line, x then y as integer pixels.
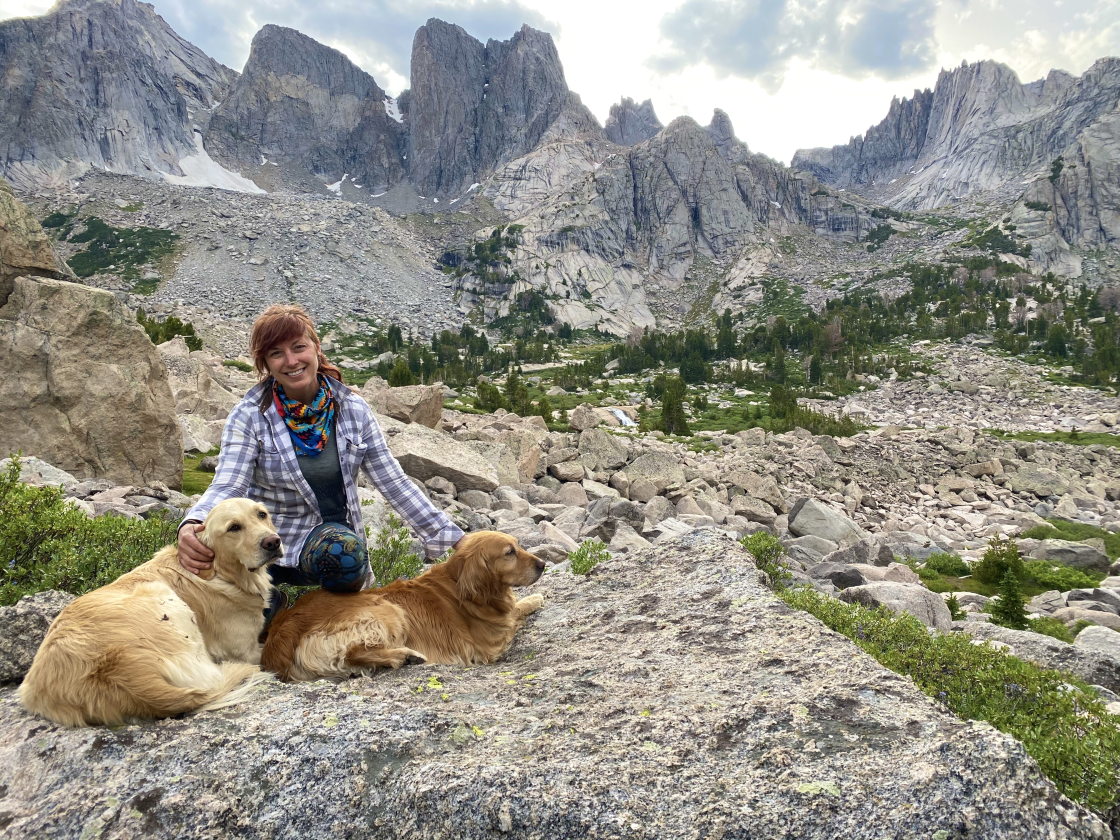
{"type": "Point", "coordinates": [295, 365]}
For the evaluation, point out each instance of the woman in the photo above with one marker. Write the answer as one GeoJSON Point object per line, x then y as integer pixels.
{"type": "Point", "coordinates": [295, 443]}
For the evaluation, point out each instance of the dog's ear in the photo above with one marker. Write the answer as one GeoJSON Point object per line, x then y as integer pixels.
{"type": "Point", "coordinates": [468, 566]}
{"type": "Point", "coordinates": [204, 538]}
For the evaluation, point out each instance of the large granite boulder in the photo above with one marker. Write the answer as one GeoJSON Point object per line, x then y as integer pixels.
{"type": "Point", "coordinates": [22, 628]}
{"type": "Point", "coordinates": [693, 720]}
{"type": "Point", "coordinates": [24, 248]}
{"type": "Point", "coordinates": [808, 516]}
{"type": "Point", "coordinates": [603, 450]}
{"type": "Point", "coordinates": [1042, 481]}
{"type": "Point", "coordinates": [424, 453]}
{"type": "Point", "coordinates": [911, 598]}
{"type": "Point", "coordinates": [660, 468]}
{"type": "Point", "coordinates": [86, 390]}
{"type": "Point", "coordinates": [1076, 555]}
{"type": "Point", "coordinates": [202, 385]}
{"type": "Point", "coordinates": [421, 404]}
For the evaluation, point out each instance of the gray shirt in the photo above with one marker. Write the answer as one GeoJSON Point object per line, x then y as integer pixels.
{"type": "Point", "coordinates": [324, 473]}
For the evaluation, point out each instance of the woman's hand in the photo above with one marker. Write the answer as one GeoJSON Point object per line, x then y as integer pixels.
{"type": "Point", "coordinates": [193, 555]}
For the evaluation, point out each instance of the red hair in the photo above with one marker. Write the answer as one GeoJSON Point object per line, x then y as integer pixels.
{"type": "Point", "coordinates": [281, 323]}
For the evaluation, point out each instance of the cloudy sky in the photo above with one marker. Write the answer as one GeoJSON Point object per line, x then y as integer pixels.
{"type": "Point", "coordinates": [790, 73]}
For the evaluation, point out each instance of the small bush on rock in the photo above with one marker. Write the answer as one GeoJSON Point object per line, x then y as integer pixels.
{"type": "Point", "coordinates": [948, 564]}
{"type": "Point", "coordinates": [1057, 576]}
{"type": "Point", "coordinates": [767, 551]}
{"type": "Point", "coordinates": [1002, 554]}
{"type": "Point", "coordinates": [589, 555]}
{"type": "Point", "coordinates": [46, 543]}
{"type": "Point", "coordinates": [1051, 627]}
{"type": "Point", "coordinates": [1009, 610]}
{"type": "Point", "coordinates": [955, 611]}
{"type": "Point", "coordinates": [1060, 721]}
{"type": "Point", "coordinates": [391, 556]}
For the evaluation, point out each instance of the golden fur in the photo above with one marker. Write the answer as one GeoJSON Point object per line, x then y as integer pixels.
{"type": "Point", "coordinates": [462, 612]}
{"type": "Point", "coordinates": [159, 641]}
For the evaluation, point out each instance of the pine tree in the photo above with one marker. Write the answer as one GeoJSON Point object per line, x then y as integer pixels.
{"type": "Point", "coordinates": [673, 421]}
{"type": "Point", "coordinates": [401, 374]}
{"type": "Point", "coordinates": [1009, 610]}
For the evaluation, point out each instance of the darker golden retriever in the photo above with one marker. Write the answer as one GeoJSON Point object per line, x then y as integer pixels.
{"type": "Point", "coordinates": [159, 641]}
{"type": "Point", "coordinates": [462, 612]}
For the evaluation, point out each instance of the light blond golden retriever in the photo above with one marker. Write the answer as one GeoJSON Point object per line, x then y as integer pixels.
{"type": "Point", "coordinates": [159, 641]}
{"type": "Point", "coordinates": [462, 612]}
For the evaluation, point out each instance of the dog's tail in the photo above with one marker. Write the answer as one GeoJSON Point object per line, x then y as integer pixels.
{"type": "Point", "coordinates": [238, 680]}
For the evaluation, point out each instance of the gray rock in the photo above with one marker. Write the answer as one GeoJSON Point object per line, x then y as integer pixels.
{"type": "Point", "coordinates": [1092, 613]}
{"type": "Point", "coordinates": [583, 417]}
{"type": "Point", "coordinates": [1076, 555]}
{"type": "Point", "coordinates": [808, 516]}
{"type": "Point", "coordinates": [606, 451]}
{"type": "Point", "coordinates": [753, 509]}
{"type": "Point", "coordinates": [840, 575]}
{"type": "Point", "coordinates": [1083, 597]}
{"type": "Point", "coordinates": [450, 740]}
{"type": "Point", "coordinates": [1093, 666]}
{"type": "Point", "coordinates": [868, 550]}
{"type": "Point", "coordinates": [1041, 481]}
{"type": "Point", "coordinates": [22, 628]}
{"type": "Point", "coordinates": [72, 345]}
{"type": "Point", "coordinates": [1100, 640]}
{"type": "Point", "coordinates": [642, 489]}
{"type": "Point", "coordinates": [572, 494]}
{"type": "Point", "coordinates": [914, 599]}
{"type": "Point", "coordinates": [424, 453]}
{"type": "Point", "coordinates": [1046, 603]}
{"type": "Point", "coordinates": [657, 467]}
{"type": "Point", "coordinates": [567, 471]}
{"type": "Point", "coordinates": [814, 543]}
{"type": "Point", "coordinates": [629, 124]}
{"type": "Point", "coordinates": [41, 474]}
{"type": "Point", "coordinates": [476, 499]}
{"type": "Point", "coordinates": [658, 509]}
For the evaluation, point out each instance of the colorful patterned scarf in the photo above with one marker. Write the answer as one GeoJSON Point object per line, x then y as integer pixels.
{"type": "Point", "coordinates": [309, 425]}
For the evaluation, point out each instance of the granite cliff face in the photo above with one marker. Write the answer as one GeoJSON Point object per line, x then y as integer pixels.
{"type": "Point", "coordinates": [628, 124]}
{"type": "Point", "coordinates": [979, 129]}
{"type": "Point", "coordinates": [646, 213]}
{"type": "Point", "coordinates": [301, 103]}
{"type": "Point", "coordinates": [104, 83]}
{"type": "Point", "coordinates": [473, 107]}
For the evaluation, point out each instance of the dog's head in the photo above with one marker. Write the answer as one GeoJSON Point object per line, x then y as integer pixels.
{"type": "Point", "coordinates": [240, 533]}
{"type": "Point", "coordinates": [487, 563]}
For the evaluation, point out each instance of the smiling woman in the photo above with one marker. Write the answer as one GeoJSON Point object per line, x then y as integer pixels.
{"type": "Point", "coordinates": [295, 443]}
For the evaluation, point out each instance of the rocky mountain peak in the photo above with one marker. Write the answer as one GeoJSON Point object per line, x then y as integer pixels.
{"type": "Point", "coordinates": [105, 83]}
{"type": "Point", "coordinates": [722, 133]}
{"type": "Point", "coordinates": [474, 106]}
{"type": "Point", "coordinates": [306, 104]}
{"type": "Point", "coordinates": [978, 129]}
{"type": "Point", "coordinates": [628, 124]}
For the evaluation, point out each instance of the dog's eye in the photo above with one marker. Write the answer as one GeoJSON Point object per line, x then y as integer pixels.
{"type": "Point", "coordinates": [236, 526]}
{"type": "Point", "coordinates": [262, 514]}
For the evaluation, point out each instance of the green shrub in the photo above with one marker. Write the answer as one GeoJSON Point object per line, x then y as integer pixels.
{"type": "Point", "coordinates": [401, 374]}
{"type": "Point", "coordinates": [1001, 555]}
{"type": "Point", "coordinates": [46, 543]}
{"type": "Point", "coordinates": [928, 574]}
{"type": "Point", "coordinates": [1060, 721]}
{"type": "Point", "coordinates": [955, 611]}
{"type": "Point", "coordinates": [767, 551]}
{"type": "Point", "coordinates": [1061, 529]}
{"type": "Point", "coordinates": [244, 367]}
{"type": "Point", "coordinates": [1054, 575]}
{"type": "Point", "coordinates": [589, 555]}
{"type": "Point", "coordinates": [1010, 608]}
{"type": "Point", "coordinates": [1051, 627]}
{"type": "Point", "coordinates": [126, 249]}
{"type": "Point", "coordinates": [948, 564]}
{"type": "Point", "coordinates": [167, 329]}
{"type": "Point", "coordinates": [391, 556]}
{"type": "Point", "coordinates": [1041, 206]}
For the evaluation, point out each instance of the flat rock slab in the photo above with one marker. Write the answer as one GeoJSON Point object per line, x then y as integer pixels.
{"type": "Point", "coordinates": [666, 695]}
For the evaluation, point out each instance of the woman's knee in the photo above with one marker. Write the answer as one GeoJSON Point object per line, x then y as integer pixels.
{"type": "Point", "coordinates": [337, 558]}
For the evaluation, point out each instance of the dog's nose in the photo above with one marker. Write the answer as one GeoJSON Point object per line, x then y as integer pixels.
{"type": "Point", "coordinates": [540, 565]}
{"type": "Point", "coordinates": [271, 543]}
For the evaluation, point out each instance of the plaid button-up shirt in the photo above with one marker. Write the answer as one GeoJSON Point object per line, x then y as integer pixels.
{"type": "Point", "coordinates": [258, 461]}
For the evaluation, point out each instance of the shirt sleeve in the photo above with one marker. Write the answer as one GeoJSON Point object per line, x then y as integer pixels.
{"type": "Point", "coordinates": [236, 462]}
{"type": "Point", "coordinates": [433, 526]}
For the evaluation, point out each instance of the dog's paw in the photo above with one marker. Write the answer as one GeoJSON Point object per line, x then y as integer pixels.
{"type": "Point", "coordinates": [531, 604]}
{"type": "Point", "coordinates": [414, 658]}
